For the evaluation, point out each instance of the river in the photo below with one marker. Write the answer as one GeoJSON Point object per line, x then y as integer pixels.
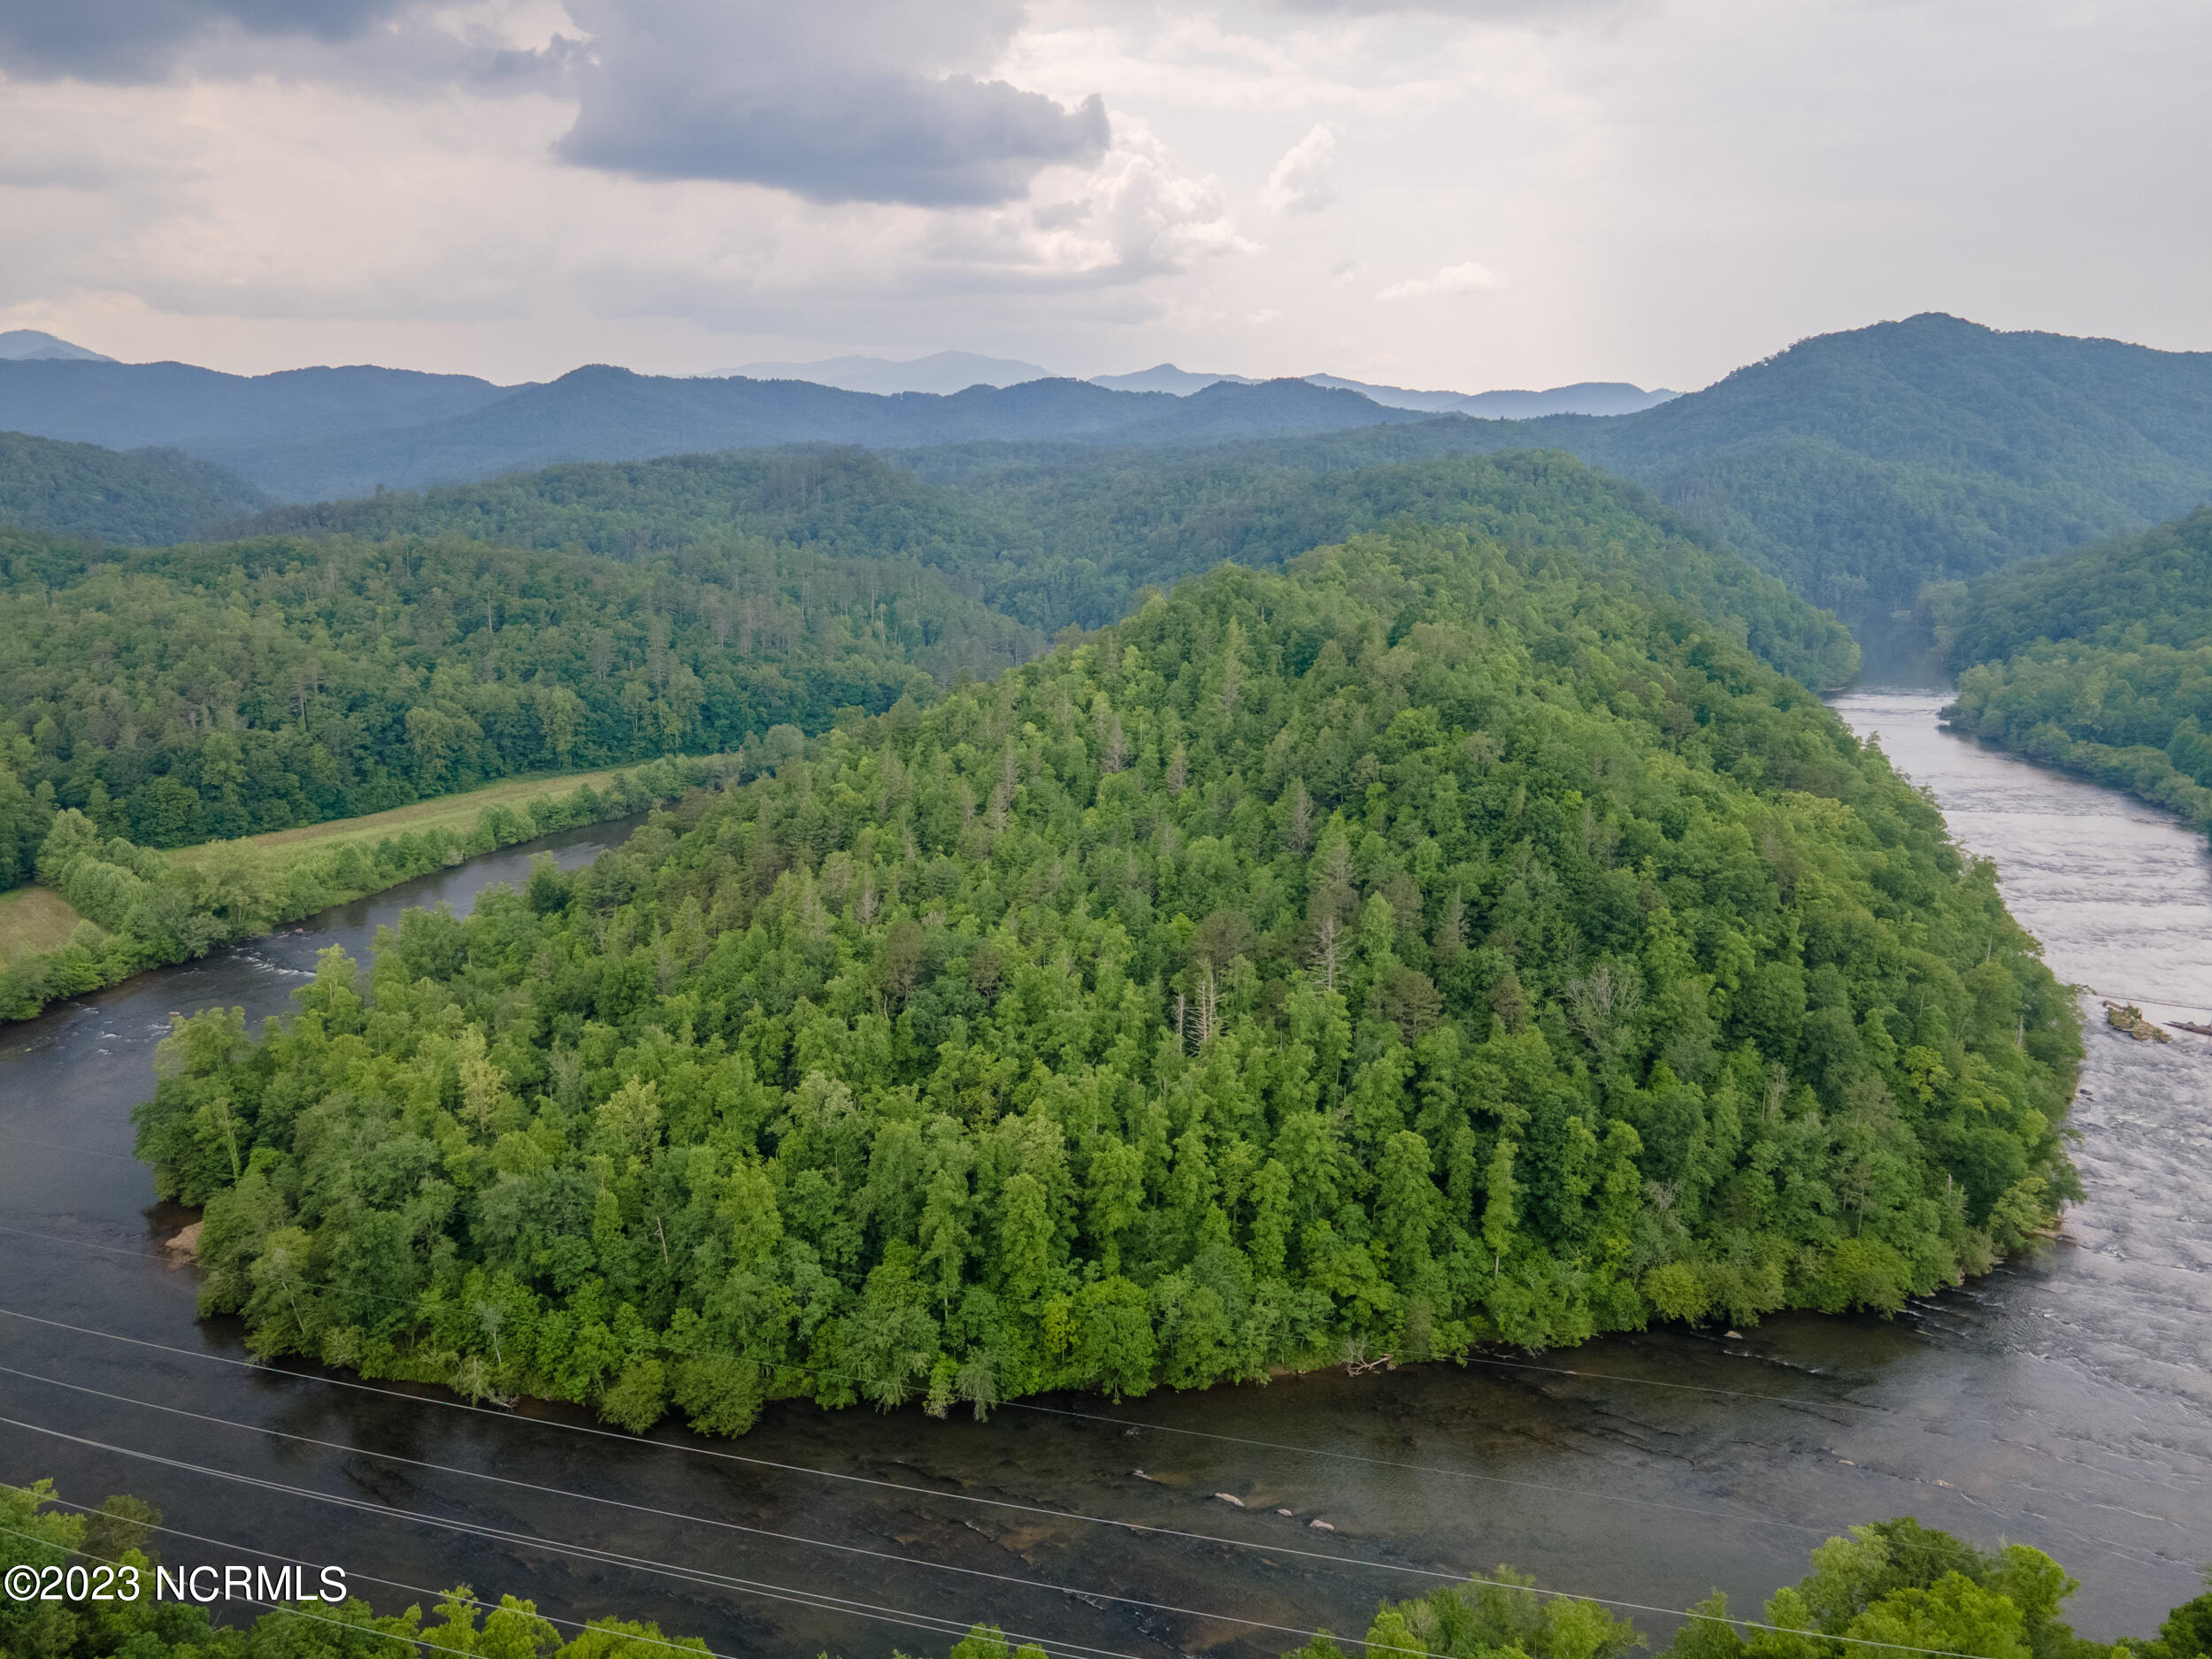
{"type": "Point", "coordinates": [2063, 1400]}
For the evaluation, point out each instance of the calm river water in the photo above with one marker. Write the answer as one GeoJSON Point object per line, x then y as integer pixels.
{"type": "Point", "coordinates": [2065, 1401]}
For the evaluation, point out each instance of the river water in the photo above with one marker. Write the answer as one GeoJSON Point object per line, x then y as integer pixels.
{"type": "Point", "coordinates": [2063, 1401]}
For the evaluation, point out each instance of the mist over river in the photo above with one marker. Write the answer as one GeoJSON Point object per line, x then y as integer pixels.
{"type": "Point", "coordinates": [2065, 1401]}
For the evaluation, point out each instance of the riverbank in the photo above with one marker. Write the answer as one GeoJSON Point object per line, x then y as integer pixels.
{"type": "Point", "coordinates": [2149, 774]}
{"type": "Point", "coordinates": [456, 815]}
{"type": "Point", "coordinates": [112, 909]}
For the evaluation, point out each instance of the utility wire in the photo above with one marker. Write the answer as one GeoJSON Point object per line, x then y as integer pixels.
{"type": "Point", "coordinates": [82, 1244]}
{"type": "Point", "coordinates": [2107, 1546]}
{"type": "Point", "coordinates": [832, 1474]}
{"type": "Point", "coordinates": [676, 1515]}
{"type": "Point", "coordinates": [820, 1600]}
{"type": "Point", "coordinates": [281, 1607]}
{"type": "Point", "coordinates": [827, 1474]}
{"type": "Point", "coordinates": [1423, 1572]}
{"type": "Point", "coordinates": [63, 1146]}
{"type": "Point", "coordinates": [680, 1645]}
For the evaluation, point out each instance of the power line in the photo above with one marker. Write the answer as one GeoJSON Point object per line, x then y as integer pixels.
{"type": "Point", "coordinates": [820, 1600]}
{"type": "Point", "coordinates": [832, 1474]}
{"type": "Point", "coordinates": [2194, 1007]}
{"type": "Point", "coordinates": [82, 1244]}
{"type": "Point", "coordinates": [2107, 1546]}
{"type": "Point", "coordinates": [647, 1565]}
{"type": "Point", "coordinates": [934, 1626]}
{"type": "Point", "coordinates": [63, 1146]}
{"type": "Point", "coordinates": [280, 1607]}
{"type": "Point", "coordinates": [2110, 1547]}
{"type": "Point", "coordinates": [672, 1514]}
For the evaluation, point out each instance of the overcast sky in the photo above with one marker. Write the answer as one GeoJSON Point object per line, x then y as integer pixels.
{"type": "Point", "coordinates": [1466, 193]}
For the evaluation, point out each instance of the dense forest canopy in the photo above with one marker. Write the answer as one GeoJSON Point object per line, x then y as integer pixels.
{"type": "Point", "coordinates": [1076, 540]}
{"type": "Point", "coordinates": [142, 498]}
{"type": "Point", "coordinates": [1429, 944]}
{"type": "Point", "coordinates": [2099, 661]}
{"type": "Point", "coordinates": [223, 690]}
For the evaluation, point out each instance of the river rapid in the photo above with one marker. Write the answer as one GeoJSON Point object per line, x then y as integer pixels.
{"type": "Point", "coordinates": [2063, 1400]}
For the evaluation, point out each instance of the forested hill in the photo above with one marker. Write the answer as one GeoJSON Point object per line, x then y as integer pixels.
{"type": "Point", "coordinates": [1423, 945]}
{"type": "Point", "coordinates": [1052, 544]}
{"type": "Point", "coordinates": [145, 497]}
{"type": "Point", "coordinates": [2099, 661]}
{"type": "Point", "coordinates": [2154, 587]}
{"type": "Point", "coordinates": [212, 692]}
{"type": "Point", "coordinates": [1856, 466]}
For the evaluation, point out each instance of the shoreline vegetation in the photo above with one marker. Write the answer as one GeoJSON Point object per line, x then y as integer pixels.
{"type": "Point", "coordinates": [2097, 662]}
{"type": "Point", "coordinates": [1425, 946]}
{"type": "Point", "coordinates": [1887, 1586]}
{"type": "Point", "coordinates": [128, 909]}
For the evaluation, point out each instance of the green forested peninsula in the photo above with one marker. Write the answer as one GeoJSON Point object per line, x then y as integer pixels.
{"type": "Point", "coordinates": [195, 693]}
{"type": "Point", "coordinates": [2099, 662]}
{"type": "Point", "coordinates": [1056, 536]}
{"type": "Point", "coordinates": [1431, 944]}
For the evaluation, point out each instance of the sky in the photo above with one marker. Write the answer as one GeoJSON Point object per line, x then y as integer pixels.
{"type": "Point", "coordinates": [1462, 194]}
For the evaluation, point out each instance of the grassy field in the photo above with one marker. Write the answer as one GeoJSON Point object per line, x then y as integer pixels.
{"type": "Point", "coordinates": [447, 812]}
{"type": "Point", "coordinates": [33, 921]}
{"type": "Point", "coordinates": [238, 889]}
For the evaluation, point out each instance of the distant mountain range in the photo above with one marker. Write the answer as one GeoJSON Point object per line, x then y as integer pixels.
{"type": "Point", "coordinates": [1856, 466]}
{"type": "Point", "coordinates": [941, 371]}
{"type": "Point", "coordinates": [1165, 377]}
{"type": "Point", "coordinates": [1584, 398]}
{"type": "Point", "coordinates": [23, 345]}
{"type": "Point", "coordinates": [314, 435]}
{"type": "Point", "coordinates": [321, 433]}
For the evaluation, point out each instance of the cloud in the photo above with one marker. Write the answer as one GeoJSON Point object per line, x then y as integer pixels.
{"type": "Point", "coordinates": [1453, 279]}
{"type": "Point", "coordinates": [876, 101]}
{"type": "Point", "coordinates": [130, 41]}
{"type": "Point", "coordinates": [398, 49]}
{"type": "Point", "coordinates": [1304, 181]}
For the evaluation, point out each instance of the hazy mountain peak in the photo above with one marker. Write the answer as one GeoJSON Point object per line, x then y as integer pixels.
{"type": "Point", "coordinates": [1165, 377]}
{"type": "Point", "coordinates": [28, 344]}
{"type": "Point", "coordinates": [1584, 397]}
{"type": "Point", "coordinates": [940, 372]}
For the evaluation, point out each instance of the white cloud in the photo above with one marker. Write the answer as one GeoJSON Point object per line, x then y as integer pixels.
{"type": "Point", "coordinates": [1304, 181]}
{"type": "Point", "coordinates": [863, 101]}
{"type": "Point", "coordinates": [1453, 279]}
